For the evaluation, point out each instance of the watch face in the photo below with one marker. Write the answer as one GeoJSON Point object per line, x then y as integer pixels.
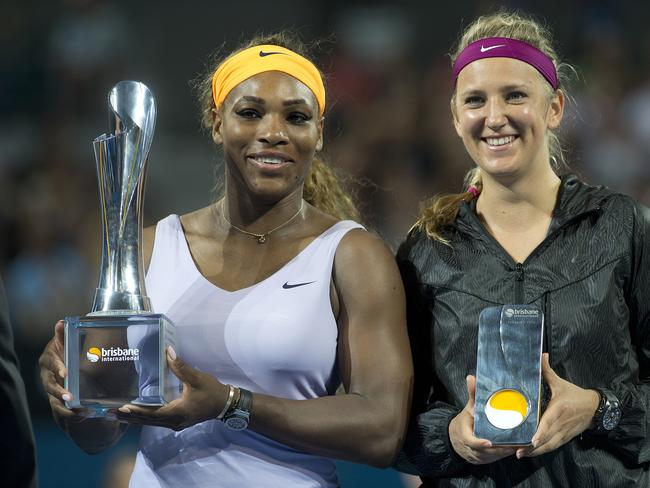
{"type": "Point", "coordinates": [236, 423]}
{"type": "Point", "coordinates": [611, 418]}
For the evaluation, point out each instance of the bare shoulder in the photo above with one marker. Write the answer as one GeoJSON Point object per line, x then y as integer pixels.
{"type": "Point", "coordinates": [361, 246]}
{"type": "Point", "coordinates": [365, 264]}
{"type": "Point", "coordinates": [369, 289]}
{"type": "Point", "coordinates": [198, 222]}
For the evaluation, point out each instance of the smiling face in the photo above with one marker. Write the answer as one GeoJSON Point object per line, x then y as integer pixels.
{"type": "Point", "coordinates": [503, 110]}
{"type": "Point", "coordinates": [270, 129]}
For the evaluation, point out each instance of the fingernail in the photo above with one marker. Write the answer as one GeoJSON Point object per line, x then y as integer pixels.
{"type": "Point", "coordinates": [519, 454]}
{"type": "Point", "coordinates": [124, 409]}
{"type": "Point", "coordinates": [62, 373]}
{"type": "Point", "coordinates": [67, 397]}
{"type": "Point", "coordinates": [171, 352]}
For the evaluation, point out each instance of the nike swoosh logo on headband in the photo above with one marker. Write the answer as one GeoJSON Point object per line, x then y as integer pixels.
{"type": "Point", "coordinates": [264, 54]}
{"type": "Point", "coordinates": [486, 49]}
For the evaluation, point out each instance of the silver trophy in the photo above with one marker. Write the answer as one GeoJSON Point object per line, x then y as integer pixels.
{"type": "Point", "coordinates": [116, 353]}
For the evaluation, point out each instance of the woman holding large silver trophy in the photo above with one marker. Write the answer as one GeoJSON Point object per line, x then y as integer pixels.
{"type": "Point", "coordinates": [277, 299]}
{"type": "Point", "coordinates": [527, 234]}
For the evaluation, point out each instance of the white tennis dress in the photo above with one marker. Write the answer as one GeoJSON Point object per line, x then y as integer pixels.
{"type": "Point", "coordinates": [277, 337]}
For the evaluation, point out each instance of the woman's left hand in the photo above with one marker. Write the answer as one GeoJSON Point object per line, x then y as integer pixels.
{"type": "Point", "coordinates": [569, 413]}
{"type": "Point", "coordinates": [202, 399]}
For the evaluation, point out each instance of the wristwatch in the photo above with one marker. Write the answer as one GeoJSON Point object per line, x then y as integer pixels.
{"type": "Point", "coordinates": [238, 417]}
{"type": "Point", "coordinates": [608, 413]}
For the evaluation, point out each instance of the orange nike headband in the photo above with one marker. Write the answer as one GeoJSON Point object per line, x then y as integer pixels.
{"type": "Point", "coordinates": [266, 57]}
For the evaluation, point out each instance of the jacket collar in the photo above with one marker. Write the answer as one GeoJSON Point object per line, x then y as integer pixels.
{"type": "Point", "coordinates": [575, 199]}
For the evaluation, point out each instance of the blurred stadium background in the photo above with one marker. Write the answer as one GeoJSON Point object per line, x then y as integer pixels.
{"type": "Point", "coordinates": [388, 127]}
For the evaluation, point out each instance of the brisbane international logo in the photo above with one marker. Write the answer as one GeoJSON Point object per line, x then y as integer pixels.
{"type": "Point", "coordinates": [93, 354]}
{"type": "Point", "coordinates": [511, 312]}
{"type": "Point", "coordinates": [112, 354]}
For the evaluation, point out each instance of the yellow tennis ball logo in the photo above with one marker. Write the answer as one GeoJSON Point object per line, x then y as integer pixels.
{"type": "Point", "coordinates": [93, 354]}
{"type": "Point", "coordinates": [506, 409]}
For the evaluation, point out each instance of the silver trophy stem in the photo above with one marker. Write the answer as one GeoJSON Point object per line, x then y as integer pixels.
{"type": "Point", "coordinates": [121, 159]}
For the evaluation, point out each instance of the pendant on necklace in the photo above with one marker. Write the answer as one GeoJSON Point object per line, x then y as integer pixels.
{"type": "Point", "coordinates": [261, 239]}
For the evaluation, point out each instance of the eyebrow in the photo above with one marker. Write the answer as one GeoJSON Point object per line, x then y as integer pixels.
{"type": "Point", "coordinates": [295, 101]}
{"type": "Point", "coordinates": [506, 88]}
{"type": "Point", "coordinates": [517, 86]}
{"type": "Point", "coordinates": [261, 101]}
{"type": "Point", "coordinates": [249, 98]}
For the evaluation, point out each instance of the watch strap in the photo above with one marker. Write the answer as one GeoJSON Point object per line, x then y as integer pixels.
{"type": "Point", "coordinates": [608, 402]}
{"type": "Point", "coordinates": [245, 400]}
{"type": "Point", "coordinates": [600, 409]}
{"type": "Point", "coordinates": [238, 416]}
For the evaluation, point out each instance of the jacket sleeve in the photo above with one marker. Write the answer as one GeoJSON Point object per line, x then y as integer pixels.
{"type": "Point", "coordinates": [427, 450]}
{"type": "Point", "coordinates": [17, 450]}
{"type": "Point", "coordinates": [631, 438]}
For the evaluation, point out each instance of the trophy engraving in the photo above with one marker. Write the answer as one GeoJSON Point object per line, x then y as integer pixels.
{"type": "Point", "coordinates": [116, 353]}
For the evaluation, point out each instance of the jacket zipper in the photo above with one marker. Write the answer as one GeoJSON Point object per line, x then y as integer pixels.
{"type": "Point", "coordinates": [546, 310]}
{"type": "Point", "coordinates": [519, 284]}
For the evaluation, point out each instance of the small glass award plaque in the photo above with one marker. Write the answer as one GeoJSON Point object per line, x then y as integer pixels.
{"type": "Point", "coordinates": [508, 374]}
{"type": "Point", "coordinates": [118, 359]}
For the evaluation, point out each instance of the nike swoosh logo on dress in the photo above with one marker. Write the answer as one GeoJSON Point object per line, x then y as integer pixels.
{"type": "Point", "coordinates": [286, 285]}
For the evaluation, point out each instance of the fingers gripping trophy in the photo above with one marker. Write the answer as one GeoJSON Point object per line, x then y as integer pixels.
{"type": "Point", "coordinates": [116, 353]}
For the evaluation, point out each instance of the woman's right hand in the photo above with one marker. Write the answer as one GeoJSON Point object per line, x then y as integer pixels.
{"type": "Point", "coordinates": [461, 434]}
{"type": "Point", "coordinates": [53, 373]}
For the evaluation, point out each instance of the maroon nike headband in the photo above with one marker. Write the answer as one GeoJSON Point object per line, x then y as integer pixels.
{"type": "Point", "coordinates": [504, 47]}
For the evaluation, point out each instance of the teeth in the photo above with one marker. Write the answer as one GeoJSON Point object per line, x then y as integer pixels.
{"type": "Point", "coordinates": [269, 160]}
{"type": "Point", "coordinates": [499, 141]}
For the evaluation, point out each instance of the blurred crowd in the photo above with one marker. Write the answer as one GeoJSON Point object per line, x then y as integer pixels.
{"type": "Point", "coordinates": [388, 126]}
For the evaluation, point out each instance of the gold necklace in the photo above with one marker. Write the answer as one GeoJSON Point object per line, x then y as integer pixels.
{"type": "Point", "coordinates": [261, 238]}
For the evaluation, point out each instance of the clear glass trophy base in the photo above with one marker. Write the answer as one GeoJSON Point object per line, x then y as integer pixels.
{"type": "Point", "coordinates": [117, 359]}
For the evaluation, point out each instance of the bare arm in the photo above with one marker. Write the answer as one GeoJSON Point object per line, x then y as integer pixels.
{"type": "Point", "coordinates": [368, 423]}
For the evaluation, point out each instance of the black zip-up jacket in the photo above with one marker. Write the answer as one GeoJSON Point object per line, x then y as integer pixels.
{"type": "Point", "coordinates": [591, 277]}
{"type": "Point", "coordinates": [17, 449]}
